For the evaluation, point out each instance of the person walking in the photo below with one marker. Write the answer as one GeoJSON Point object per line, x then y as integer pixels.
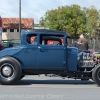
{"type": "Point", "coordinates": [81, 44]}
{"type": "Point", "coordinates": [84, 41]}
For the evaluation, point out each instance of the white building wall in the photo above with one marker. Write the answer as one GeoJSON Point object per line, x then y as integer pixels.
{"type": "Point", "coordinates": [10, 35]}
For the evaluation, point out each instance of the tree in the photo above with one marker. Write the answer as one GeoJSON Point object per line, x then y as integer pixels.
{"type": "Point", "coordinates": [71, 19]}
{"type": "Point", "coordinates": [92, 16]}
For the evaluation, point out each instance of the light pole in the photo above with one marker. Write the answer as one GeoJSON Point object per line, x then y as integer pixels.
{"type": "Point", "coordinates": [20, 17]}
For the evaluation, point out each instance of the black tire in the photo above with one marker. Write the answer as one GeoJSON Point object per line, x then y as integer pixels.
{"type": "Point", "coordinates": [96, 74]}
{"type": "Point", "coordinates": [10, 70]}
{"type": "Point", "coordinates": [22, 76]}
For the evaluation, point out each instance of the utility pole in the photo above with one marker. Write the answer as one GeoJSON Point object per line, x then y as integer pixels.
{"type": "Point", "coordinates": [20, 17]}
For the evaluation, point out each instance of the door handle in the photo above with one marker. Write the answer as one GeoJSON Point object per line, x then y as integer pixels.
{"type": "Point", "coordinates": [39, 47]}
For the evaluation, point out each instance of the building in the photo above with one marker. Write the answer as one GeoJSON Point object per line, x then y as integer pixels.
{"type": "Point", "coordinates": [10, 27]}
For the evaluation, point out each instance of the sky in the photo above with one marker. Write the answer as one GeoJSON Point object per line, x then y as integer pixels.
{"type": "Point", "coordinates": [37, 8]}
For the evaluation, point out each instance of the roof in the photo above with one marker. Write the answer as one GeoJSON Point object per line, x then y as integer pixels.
{"type": "Point", "coordinates": [47, 31]}
{"type": "Point", "coordinates": [13, 23]}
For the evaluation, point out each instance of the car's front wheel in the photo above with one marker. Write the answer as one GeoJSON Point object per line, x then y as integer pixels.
{"type": "Point", "coordinates": [96, 75]}
{"type": "Point", "coordinates": [10, 70]}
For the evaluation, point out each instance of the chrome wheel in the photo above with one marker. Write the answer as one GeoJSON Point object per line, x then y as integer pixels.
{"type": "Point", "coordinates": [10, 70]}
{"type": "Point", "coordinates": [6, 71]}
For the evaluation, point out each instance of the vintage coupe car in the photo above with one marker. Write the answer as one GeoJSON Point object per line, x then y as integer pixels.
{"type": "Point", "coordinates": [34, 56]}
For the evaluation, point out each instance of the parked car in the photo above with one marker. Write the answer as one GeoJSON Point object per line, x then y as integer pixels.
{"type": "Point", "coordinates": [37, 57]}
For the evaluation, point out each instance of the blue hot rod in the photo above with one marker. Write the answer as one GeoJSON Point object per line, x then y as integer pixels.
{"type": "Point", "coordinates": [36, 55]}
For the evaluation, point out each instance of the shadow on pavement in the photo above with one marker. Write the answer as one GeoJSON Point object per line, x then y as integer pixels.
{"type": "Point", "coordinates": [71, 82]}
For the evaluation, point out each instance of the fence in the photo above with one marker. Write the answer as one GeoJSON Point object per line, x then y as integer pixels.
{"type": "Point", "coordinates": [11, 43]}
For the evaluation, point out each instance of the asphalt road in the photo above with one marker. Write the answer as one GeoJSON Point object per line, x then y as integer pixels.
{"type": "Point", "coordinates": [50, 88]}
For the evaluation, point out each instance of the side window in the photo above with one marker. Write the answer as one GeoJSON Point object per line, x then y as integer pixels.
{"type": "Point", "coordinates": [51, 40]}
{"type": "Point", "coordinates": [32, 39]}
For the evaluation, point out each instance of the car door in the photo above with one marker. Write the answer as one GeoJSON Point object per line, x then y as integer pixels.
{"type": "Point", "coordinates": [51, 57]}
{"type": "Point", "coordinates": [30, 57]}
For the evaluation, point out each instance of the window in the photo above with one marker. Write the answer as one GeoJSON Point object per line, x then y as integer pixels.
{"type": "Point", "coordinates": [32, 39]}
{"type": "Point", "coordinates": [17, 30]}
{"type": "Point", "coordinates": [4, 30]}
{"type": "Point", "coordinates": [11, 30]}
{"type": "Point", "coordinates": [51, 40]}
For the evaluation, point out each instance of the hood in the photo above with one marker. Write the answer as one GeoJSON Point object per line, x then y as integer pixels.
{"type": "Point", "coordinates": [10, 51]}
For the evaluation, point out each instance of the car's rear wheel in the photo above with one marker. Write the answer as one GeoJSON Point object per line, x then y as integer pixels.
{"type": "Point", "coordinates": [10, 70]}
{"type": "Point", "coordinates": [96, 74]}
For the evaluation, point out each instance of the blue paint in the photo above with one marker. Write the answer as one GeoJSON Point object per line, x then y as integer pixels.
{"type": "Point", "coordinates": [43, 57]}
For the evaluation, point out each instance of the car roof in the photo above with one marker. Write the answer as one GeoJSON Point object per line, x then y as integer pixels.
{"type": "Point", "coordinates": [46, 31]}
